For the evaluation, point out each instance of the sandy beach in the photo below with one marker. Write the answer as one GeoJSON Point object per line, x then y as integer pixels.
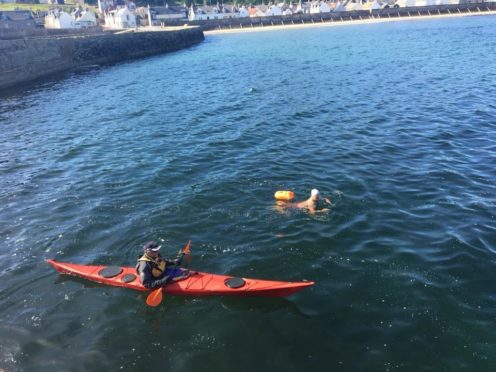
{"type": "Point", "coordinates": [344, 23]}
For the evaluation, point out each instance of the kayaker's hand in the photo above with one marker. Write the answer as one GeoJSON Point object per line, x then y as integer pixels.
{"type": "Point", "coordinates": [185, 274]}
{"type": "Point", "coordinates": [161, 282]}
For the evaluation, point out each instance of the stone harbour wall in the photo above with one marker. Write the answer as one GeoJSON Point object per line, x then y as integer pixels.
{"type": "Point", "coordinates": [25, 59]}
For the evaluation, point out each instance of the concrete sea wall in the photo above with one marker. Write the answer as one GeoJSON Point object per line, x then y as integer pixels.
{"type": "Point", "coordinates": [29, 58]}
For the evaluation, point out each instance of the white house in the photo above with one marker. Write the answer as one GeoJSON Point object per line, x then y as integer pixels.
{"type": "Point", "coordinates": [319, 7]}
{"type": "Point", "coordinates": [366, 5]}
{"type": "Point", "coordinates": [120, 18]}
{"type": "Point", "coordinates": [375, 5]}
{"type": "Point", "coordinates": [404, 3]}
{"type": "Point", "coordinates": [354, 5]}
{"type": "Point", "coordinates": [206, 13]}
{"type": "Point", "coordinates": [339, 7]}
{"type": "Point", "coordinates": [158, 15]}
{"type": "Point", "coordinates": [59, 19]}
{"type": "Point", "coordinates": [84, 19]}
{"type": "Point", "coordinates": [243, 12]}
{"type": "Point", "coordinates": [274, 10]}
{"type": "Point", "coordinates": [298, 9]}
{"type": "Point", "coordinates": [229, 11]}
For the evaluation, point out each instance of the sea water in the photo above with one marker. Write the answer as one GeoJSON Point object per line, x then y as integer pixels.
{"type": "Point", "coordinates": [394, 122]}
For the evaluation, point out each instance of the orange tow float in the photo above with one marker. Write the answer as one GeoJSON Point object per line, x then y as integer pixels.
{"type": "Point", "coordinates": [284, 195]}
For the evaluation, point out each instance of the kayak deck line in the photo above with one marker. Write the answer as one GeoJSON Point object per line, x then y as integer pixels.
{"type": "Point", "coordinates": [198, 284]}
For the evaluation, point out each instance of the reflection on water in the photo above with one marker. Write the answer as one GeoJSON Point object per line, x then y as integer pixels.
{"type": "Point", "coordinates": [261, 305]}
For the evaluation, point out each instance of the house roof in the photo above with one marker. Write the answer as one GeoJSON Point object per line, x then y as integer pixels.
{"type": "Point", "coordinates": [168, 10]}
{"type": "Point", "coordinates": [87, 15]}
{"type": "Point", "coordinates": [254, 10]}
{"type": "Point", "coordinates": [121, 11]}
{"type": "Point", "coordinates": [206, 9]}
{"type": "Point", "coordinates": [231, 8]}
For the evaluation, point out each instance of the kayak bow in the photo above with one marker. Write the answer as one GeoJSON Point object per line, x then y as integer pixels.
{"type": "Point", "coordinates": [198, 284]}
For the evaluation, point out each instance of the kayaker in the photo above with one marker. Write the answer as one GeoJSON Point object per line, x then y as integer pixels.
{"type": "Point", "coordinates": [155, 271]}
{"type": "Point", "coordinates": [313, 204]}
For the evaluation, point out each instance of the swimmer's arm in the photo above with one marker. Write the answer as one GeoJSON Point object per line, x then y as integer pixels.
{"type": "Point", "coordinates": [328, 201]}
{"type": "Point", "coordinates": [302, 205]}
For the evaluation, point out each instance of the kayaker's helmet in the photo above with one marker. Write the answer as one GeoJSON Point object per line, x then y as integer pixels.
{"type": "Point", "coordinates": [151, 246]}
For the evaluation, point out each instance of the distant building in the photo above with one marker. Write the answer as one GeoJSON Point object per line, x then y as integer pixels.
{"type": "Point", "coordinates": [158, 15]}
{"type": "Point", "coordinates": [120, 19]}
{"type": "Point", "coordinates": [209, 12]}
{"type": "Point", "coordinates": [339, 7]}
{"type": "Point", "coordinates": [274, 10]}
{"type": "Point", "coordinates": [319, 7]}
{"type": "Point", "coordinates": [302, 8]}
{"type": "Point", "coordinates": [59, 19]}
{"type": "Point", "coordinates": [255, 12]}
{"type": "Point", "coordinates": [84, 19]}
{"type": "Point", "coordinates": [62, 20]}
{"type": "Point", "coordinates": [354, 5]}
{"type": "Point", "coordinates": [17, 19]}
{"type": "Point", "coordinates": [375, 5]}
{"type": "Point", "coordinates": [243, 12]}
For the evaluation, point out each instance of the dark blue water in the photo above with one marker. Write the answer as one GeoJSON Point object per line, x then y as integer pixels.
{"type": "Point", "coordinates": [395, 122]}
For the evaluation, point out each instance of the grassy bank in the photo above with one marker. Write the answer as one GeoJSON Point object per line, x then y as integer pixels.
{"type": "Point", "coordinates": [68, 7]}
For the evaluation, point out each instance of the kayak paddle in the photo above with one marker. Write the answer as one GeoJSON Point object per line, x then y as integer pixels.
{"type": "Point", "coordinates": [155, 297]}
{"type": "Point", "coordinates": [186, 249]}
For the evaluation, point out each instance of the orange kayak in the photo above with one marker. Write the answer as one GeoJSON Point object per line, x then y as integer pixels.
{"type": "Point", "coordinates": [198, 284]}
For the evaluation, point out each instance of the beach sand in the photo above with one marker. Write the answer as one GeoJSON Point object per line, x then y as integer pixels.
{"type": "Point", "coordinates": [343, 23]}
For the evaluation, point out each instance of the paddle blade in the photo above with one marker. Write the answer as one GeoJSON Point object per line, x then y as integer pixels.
{"type": "Point", "coordinates": [154, 298]}
{"type": "Point", "coordinates": [186, 249]}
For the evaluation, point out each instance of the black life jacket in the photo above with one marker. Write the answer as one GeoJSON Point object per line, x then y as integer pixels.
{"type": "Point", "coordinates": [158, 265]}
